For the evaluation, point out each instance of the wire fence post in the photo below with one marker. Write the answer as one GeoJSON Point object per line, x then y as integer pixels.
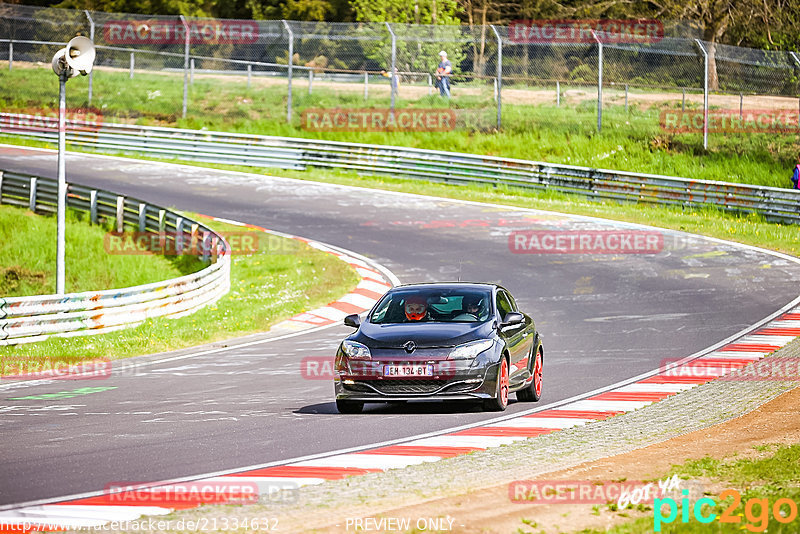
{"type": "Point", "coordinates": [91, 36]}
{"type": "Point", "coordinates": [289, 72]}
{"type": "Point", "coordinates": [392, 73]}
{"type": "Point", "coordinates": [132, 63]}
{"type": "Point", "coordinates": [366, 85]}
{"type": "Point", "coordinates": [797, 62]}
{"type": "Point", "coordinates": [599, 82]}
{"type": "Point", "coordinates": [310, 80]}
{"type": "Point", "coordinates": [499, 77]}
{"type": "Point", "coordinates": [10, 54]}
{"type": "Point", "coordinates": [191, 71]}
{"type": "Point", "coordinates": [186, 41]}
{"type": "Point", "coordinates": [705, 92]}
{"type": "Point", "coordinates": [249, 74]}
{"type": "Point", "coordinates": [558, 94]}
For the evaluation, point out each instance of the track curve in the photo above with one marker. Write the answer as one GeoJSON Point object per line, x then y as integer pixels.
{"type": "Point", "coordinates": [605, 318]}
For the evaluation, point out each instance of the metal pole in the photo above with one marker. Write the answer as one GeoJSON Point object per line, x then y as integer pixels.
{"type": "Point", "coordinates": [599, 82]}
{"type": "Point", "coordinates": [741, 106]}
{"type": "Point", "coordinates": [705, 92]}
{"type": "Point", "coordinates": [499, 77]}
{"type": "Point", "coordinates": [133, 62]}
{"type": "Point", "coordinates": [683, 99]}
{"type": "Point", "coordinates": [391, 72]}
{"type": "Point", "coordinates": [10, 54]}
{"type": "Point", "coordinates": [558, 94]}
{"type": "Point", "coordinates": [249, 74]}
{"type": "Point", "coordinates": [186, 41]}
{"type": "Point", "coordinates": [430, 85]}
{"type": "Point", "coordinates": [310, 80]}
{"type": "Point", "coordinates": [191, 71]}
{"type": "Point", "coordinates": [91, 36]}
{"type": "Point", "coordinates": [289, 72]}
{"type": "Point", "coordinates": [366, 85]}
{"type": "Point", "coordinates": [62, 182]}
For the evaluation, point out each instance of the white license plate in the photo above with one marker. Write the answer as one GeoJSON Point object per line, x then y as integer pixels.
{"type": "Point", "coordinates": [408, 370]}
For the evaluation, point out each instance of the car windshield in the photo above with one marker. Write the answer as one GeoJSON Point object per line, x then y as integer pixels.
{"type": "Point", "coordinates": [459, 305]}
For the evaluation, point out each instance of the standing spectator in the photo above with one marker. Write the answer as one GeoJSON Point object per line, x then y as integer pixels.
{"type": "Point", "coordinates": [443, 74]}
{"type": "Point", "coordinates": [796, 175]}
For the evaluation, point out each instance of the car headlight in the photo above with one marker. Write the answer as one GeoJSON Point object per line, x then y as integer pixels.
{"type": "Point", "coordinates": [470, 350]}
{"type": "Point", "coordinates": [355, 350]}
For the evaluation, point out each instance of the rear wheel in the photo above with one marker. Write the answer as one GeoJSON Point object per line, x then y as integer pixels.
{"type": "Point", "coordinates": [348, 406]}
{"type": "Point", "coordinates": [500, 400]}
{"type": "Point", "coordinates": [533, 391]}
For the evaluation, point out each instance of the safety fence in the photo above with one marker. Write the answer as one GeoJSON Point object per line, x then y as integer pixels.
{"type": "Point", "coordinates": [396, 64]}
{"type": "Point", "coordinates": [34, 318]}
{"type": "Point", "coordinates": [775, 204]}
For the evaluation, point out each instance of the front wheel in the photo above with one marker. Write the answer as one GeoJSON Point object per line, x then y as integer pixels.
{"type": "Point", "coordinates": [533, 392]}
{"type": "Point", "coordinates": [348, 406]}
{"type": "Point", "coordinates": [500, 400]}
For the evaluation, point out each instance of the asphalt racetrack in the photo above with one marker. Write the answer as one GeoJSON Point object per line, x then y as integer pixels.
{"type": "Point", "coordinates": [604, 318]}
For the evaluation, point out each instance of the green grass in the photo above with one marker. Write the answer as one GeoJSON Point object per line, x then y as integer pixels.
{"type": "Point", "coordinates": [775, 475]}
{"type": "Point", "coordinates": [28, 257]}
{"type": "Point", "coordinates": [630, 141]}
{"type": "Point", "coordinates": [284, 277]}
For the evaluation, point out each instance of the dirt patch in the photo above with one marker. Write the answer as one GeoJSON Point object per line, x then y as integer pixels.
{"type": "Point", "coordinates": [492, 511]}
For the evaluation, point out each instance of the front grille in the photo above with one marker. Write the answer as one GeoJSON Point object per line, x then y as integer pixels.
{"type": "Point", "coordinates": [409, 387]}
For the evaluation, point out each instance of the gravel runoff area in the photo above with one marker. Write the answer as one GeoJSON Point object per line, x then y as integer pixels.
{"type": "Point", "coordinates": [327, 505]}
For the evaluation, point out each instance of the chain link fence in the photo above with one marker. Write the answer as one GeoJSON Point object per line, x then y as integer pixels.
{"type": "Point", "coordinates": [154, 69]}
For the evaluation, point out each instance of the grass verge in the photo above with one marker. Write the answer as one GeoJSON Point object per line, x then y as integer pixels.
{"type": "Point", "coordinates": [28, 257]}
{"type": "Point", "coordinates": [282, 278]}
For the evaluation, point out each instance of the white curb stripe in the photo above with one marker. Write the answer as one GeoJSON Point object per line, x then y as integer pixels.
{"type": "Point", "coordinates": [368, 461]}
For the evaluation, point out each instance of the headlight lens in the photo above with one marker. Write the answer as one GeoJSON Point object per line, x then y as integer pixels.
{"type": "Point", "coordinates": [355, 350]}
{"type": "Point", "coordinates": [470, 350]}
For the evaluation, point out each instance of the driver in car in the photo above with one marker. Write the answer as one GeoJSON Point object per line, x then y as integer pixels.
{"type": "Point", "coordinates": [416, 308]}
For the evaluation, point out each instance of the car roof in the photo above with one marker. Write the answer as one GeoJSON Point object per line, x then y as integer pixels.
{"type": "Point", "coordinates": [448, 285]}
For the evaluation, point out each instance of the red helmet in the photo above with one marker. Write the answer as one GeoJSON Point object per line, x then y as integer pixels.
{"type": "Point", "coordinates": [416, 307]}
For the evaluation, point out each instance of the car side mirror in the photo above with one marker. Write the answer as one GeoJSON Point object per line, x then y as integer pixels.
{"type": "Point", "coordinates": [512, 318]}
{"type": "Point", "coordinates": [353, 320]}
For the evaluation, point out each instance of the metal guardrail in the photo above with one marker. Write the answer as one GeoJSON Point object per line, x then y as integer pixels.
{"type": "Point", "coordinates": [34, 318]}
{"type": "Point", "coordinates": [775, 204]}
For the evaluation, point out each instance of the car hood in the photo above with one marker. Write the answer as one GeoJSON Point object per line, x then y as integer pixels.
{"type": "Point", "coordinates": [423, 334]}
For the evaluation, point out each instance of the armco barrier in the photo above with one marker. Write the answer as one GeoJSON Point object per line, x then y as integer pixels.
{"type": "Point", "coordinates": [775, 204]}
{"type": "Point", "coordinates": [28, 319]}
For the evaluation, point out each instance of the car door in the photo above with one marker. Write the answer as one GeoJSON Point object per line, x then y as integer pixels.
{"type": "Point", "coordinates": [516, 338]}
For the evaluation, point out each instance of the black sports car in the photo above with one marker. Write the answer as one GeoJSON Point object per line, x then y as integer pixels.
{"type": "Point", "coordinates": [451, 341]}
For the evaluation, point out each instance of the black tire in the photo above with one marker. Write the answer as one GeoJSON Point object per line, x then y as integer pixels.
{"type": "Point", "coordinates": [499, 402]}
{"type": "Point", "coordinates": [533, 392]}
{"type": "Point", "coordinates": [348, 406]}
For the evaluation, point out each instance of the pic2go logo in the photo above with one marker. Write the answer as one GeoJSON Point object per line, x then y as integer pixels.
{"type": "Point", "coordinates": [756, 511]}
